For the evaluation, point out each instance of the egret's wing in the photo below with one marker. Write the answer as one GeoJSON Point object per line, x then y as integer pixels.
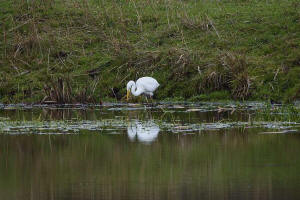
{"type": "Point", "coordinates": [147, 83]}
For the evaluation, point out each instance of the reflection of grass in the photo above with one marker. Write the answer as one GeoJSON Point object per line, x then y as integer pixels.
{"type": "Point", "coordinates": [109, 166]}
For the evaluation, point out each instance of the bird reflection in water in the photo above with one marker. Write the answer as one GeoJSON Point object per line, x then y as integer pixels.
{"type": "Point", "coordinates": [144, 131]}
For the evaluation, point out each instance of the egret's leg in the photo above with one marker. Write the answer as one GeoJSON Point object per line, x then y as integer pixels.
{"type": "Point", "coordinates": [140, 99]}
{"type": "Point", "coordinates": [151, 98]}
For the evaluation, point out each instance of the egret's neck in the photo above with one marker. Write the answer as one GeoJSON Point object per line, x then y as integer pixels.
{"type": "Point", "coordinates": [135, 91]}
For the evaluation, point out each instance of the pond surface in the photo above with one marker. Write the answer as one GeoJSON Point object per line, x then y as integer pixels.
{"type": "Point", "coordinates": [134, 151]}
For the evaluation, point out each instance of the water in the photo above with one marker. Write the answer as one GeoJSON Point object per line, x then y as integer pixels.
{"type": "Point", "coordinates": [165, 151]}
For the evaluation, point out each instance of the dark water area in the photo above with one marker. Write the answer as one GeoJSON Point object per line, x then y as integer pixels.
{"type": "Point", "coordinates": [165, 151]}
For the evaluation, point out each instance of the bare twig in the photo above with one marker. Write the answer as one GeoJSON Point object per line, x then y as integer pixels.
{"type": "Point", "coordinates": [139, 21]}
{"type": "Point", "coordinates": [4, 38]}
{"type": "Point", "coordinates": [212, 24]}
{"type": "Point", "coordinates": [23, 62]}
{"type": "Point", "coordinates": [19, 26]}
{"type": "Point", "coordinates": [275, 76]}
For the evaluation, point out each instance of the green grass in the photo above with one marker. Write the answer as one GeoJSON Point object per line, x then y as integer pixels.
{"type": "Point", "coordinates": [249, 49]}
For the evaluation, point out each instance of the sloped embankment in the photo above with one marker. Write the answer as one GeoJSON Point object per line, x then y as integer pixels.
{"type": "Point", "coordinates": [83, 51]}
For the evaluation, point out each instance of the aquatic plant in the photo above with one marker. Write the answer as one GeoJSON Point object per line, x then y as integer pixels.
{"type": "Point", "coordinates": [174, 118]}
{"type": "Point", "coordinates": [286, 112]}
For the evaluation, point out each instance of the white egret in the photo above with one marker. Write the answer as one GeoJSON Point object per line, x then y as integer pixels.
{"type": "Point", "coordinates": [145, 132]}
{"type": "Point", "coordinates": [144, 85]}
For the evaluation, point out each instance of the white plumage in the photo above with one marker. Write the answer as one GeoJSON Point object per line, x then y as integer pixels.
{"type": "Point", "coordinates": [144, 85]}
{"type": "Point", "coordinates": [146, 131]}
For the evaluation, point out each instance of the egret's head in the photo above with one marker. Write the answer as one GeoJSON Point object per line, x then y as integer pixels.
{"type": "Point", "coordinates": [129, 85]}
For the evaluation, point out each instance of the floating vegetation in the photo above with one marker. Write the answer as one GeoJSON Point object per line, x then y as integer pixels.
{"type": "Point", "coordinates": [73, 127]}
{"type": "Point", "coordinates": [174, 118]}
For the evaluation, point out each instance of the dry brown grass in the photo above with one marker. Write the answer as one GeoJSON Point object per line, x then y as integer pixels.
{"type": "Point", "coordinates": [181, 62]}
{"type": "Point", "coordinates": [60, 91]}
{"type": "Point", "coordinates": [197, 23]}
{"type": "Point", "coordinates": [230, 73]}
{"type": "Point", "coordinates": [237, 69]}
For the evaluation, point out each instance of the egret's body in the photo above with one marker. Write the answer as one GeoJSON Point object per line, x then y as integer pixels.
{"type": "Point", "coordinates": [146, 131]}
{"type": "Point", "coordinates": [144, 85]}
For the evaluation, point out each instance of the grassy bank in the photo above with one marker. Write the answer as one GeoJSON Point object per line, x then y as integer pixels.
{"type": "Point", "coordinates": [84, 51]}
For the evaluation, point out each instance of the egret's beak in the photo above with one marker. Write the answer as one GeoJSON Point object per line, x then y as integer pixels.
{"type": "Point", "coordinates": [128, 94]}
